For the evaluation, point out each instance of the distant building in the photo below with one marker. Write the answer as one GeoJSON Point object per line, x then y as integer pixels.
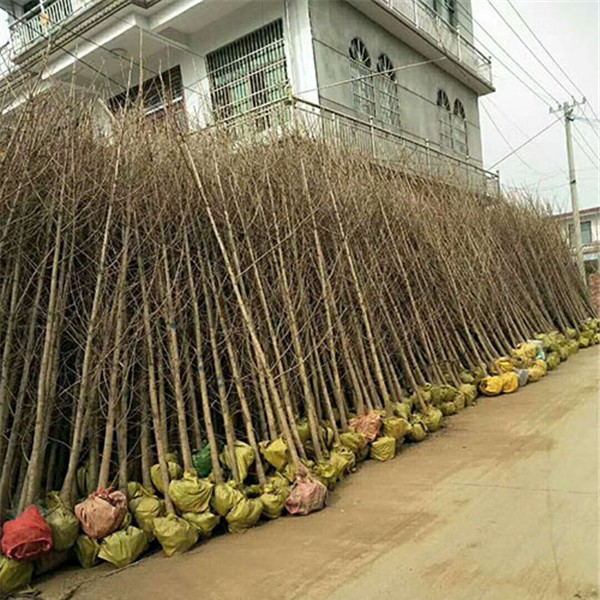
{"type": "Point", "coordinates": [399, 79]}
{"type": "Point", "coordinates": [590, 235]}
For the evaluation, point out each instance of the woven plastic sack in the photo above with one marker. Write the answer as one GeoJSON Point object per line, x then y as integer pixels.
{"type": "Point", "coordinates": [63, 522]}
{"type": "Point", "coordinates": [123, 547]}
{"type": "Point", "coordinates": [419, 431]}
{"type": "Point", "coordinates": [51, 561]}
{"type": "Point", "coordinates": [273, 500]}
{"type": "Point", "coordinates": [14, 575]}
{"type": "Point", "coordinates": [504, 365]}
{"type": "Point", "coordinates": [175, 472]}
{"type": "Point", "coordinates": [433, 419]}
{"type": "Point", "coordinates": [369, 425]}
{"type": "Point", "coordinates": [191, 494]}
{"type": "Point", "coordinates": [225, 497]}
{"type": "Point", "coordinates": [326, 473]}
{"type": "Point", "coordinates": [276, 453]}
{"type": "Point", "coordinates": [469, 392]}
{"type": "Point", "coordinates": [553, 360]}
{"type": "Point", "coordinates": [27, 537]}
{"type": "Point", "coordinates": [244, 457]}
{"type": "Point", "coordinates": [87, 550]}
{"type": "Point", "coordinates": [448, 408]}
{"type": "Point", "coordinates": [396, 427]}
{"type": "Point", "coordinates": [306, 496]}
{"type": "Point", "coordinates": [491, 386]}
{"type": "Point", "coordinates": [146, 507]}
{"type": "Point", "coordinates": [204, 522]}
{"type": "Point", "coordinates": [383, 449]}
{"type": "Point", "coordinates": [244, 515]}
{"type": "Point", "coordinates": [202, 461]}
{"type": "Point", "coordinates": [102, 513]}
{"type": "Point", "coordinates": [174, 534]}
{"type": "Point", "coordinates": [402, 410]}
{"type": "Point", "coordinates": [353, 441]}
{"type": "Point", "coordinates": [510, 382]}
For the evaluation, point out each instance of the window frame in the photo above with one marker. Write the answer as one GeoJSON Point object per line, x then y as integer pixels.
{"type": "Point", "coordinates": [387, 91]}
{"type": "Point", "coordinates": [363, 87]}
{"type": "Point", "coordinates": [460, 138]}
{"type": "Point", "coordinates": [444, 119]}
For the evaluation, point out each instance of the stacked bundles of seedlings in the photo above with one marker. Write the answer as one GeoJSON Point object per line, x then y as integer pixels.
{"type": "Point", "coordinates": [223, 324]}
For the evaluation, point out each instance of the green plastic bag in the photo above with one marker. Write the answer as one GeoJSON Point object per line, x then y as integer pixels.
{"type": "Point", "coordinates": [276, 453]}
{"type": "Point", "coordinates": [396, 427]}
{"type": "Point", "coordinates": [146, 507]}
{"type": "Point", "coordinates": [448, 408]}
{"type": "Point", "coordinates": [64, 523]}
{"type": "Point", "coordinates": [402, 410]}
{"type": "Point", "coordinates": [14, 574]}
{"type": "Point", "coordinates": [326, 473]}
{"type": "Point", "coordinates": [244, 457]}
{"type": "Point", "coordinates": [353, 441]}
{"type": "Point", "coordinates": [225, 497]}
{"type": "Point", "coordinates": [202, 461]}
{"type": "Point", "coordinates": [174, 534]}
{"type": "Point", "coordinates": [87, 550]}
{"type": "Point", "coordinates": [459, 402]}
{"type": "Point", "coordinates": [204, 522]}
{"type": "Point", "coordinates": [85, 481]}
{"type": "Point", "coordinates": [123, 547]}
{"type": "Point", "coordinates": [467, 378]}
{"type": "Point", "coordinates": [50, 561]}
{"type": "Point", "coordinates": [175, 472]}
{"type": "Point", "coordinates": [243, 515]}
{"type": "Point", "coordinates": [553, 360]}
{"type": "Point", "coordinates": [467, 392]}
{"type": "Point", "coordinates": [383, 449]}
{"type": "Point", "coordinates": [433, 419]}
{"type": "Point", "coordinates": [419, 431]}
{"type": "Point", "coordinates": [191, 494]}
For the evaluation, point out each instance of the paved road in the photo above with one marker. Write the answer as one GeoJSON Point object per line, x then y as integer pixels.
{"type": "Point", "coordinates": [503, 505]}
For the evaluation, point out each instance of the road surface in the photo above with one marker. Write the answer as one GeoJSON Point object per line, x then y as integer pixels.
{"type": "Point", "coordinates": [502, 505]}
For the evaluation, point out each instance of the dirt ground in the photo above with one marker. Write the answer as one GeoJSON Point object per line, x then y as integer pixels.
{"type": "Point", "coordinates": [502, 505]}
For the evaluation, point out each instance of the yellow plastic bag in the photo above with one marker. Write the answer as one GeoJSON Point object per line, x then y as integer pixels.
{"type": "Point", "coordinates": [86, 550]}
{"type": "Point", "coordinates": [402, 409]}
{"type": "Point", "coordinates": [175, 472]}
{"type": "Point", "coordinates": [468, 392]}
{"type": "Point", "coordinates": [525, 350]}
{"type": "Point", "coordinates": [174, 534]}
{"type": "Point", "coordinates": [491, 386]}
{"type": "Point", "coordinates": [273, 500]}
{"type": "Point", "coordinates": [535, 374]}
{"type": "Point", "coordinates": [510, 382]}
{"type": "Point", "coordinates": [276, 453]}
{"type": "Point", "coordinates": [543, 366]}
{"type": "Point", "coordinates": [243, 515]}
{"type": "Point", "coordinates": [448, 408]}
{"type": "Point", "coordinates": [225, 497]}
{"type": "Point", "coordinates": [14, 574]}
{"type": "Point", "coordinates": [419, 431]}
{"type": "Point", "coordinates": [146, 507]}
{"type": "Point", "coordinates": [353, 441]}
{"type": "Point", "coordinates": [504, 365]}
{"type": "Point", "coordinates": [553, 360]}
{"type": "Point", "coordinates": [64, 523]}
{"type": "Point", "coordinates": [433, 419]}
{"type": "Point", "coordinates": [383, 449]}
{"type": "Point", "coordinates": [123, 547]}
{"type": "Point", "coordinates": [190, 493]}
{"type": "Point", "coordinates": [204, 522]}
{"type": "Point", "coordinates": [244, 457]}
{"type": "Point", "coordinates": [396, 427]}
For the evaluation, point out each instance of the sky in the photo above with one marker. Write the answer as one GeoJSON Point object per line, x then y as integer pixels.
{"type": "Point", "coordinates": [570, 31]}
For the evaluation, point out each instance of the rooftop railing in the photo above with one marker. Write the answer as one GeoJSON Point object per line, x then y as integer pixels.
{"type": "Point", "coordinates": [444, 34]}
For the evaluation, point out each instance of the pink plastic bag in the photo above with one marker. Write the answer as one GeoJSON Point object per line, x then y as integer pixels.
{"type": "Point", "coordinates": [28, 536]}
{"type": "Point", "coordinates": [369, 425]}
{"type": "Point", "coordinates": [307, 495]}
{"type": "Point", "coordinates": [102, 513]}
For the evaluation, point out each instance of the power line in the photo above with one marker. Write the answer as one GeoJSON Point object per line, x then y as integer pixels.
{"type": "Point", "coordinates": [533, 137]}
{"type": "Point", "coordinates": [550, 54]}
{"type": "Point", "coordinates": [593, 152]}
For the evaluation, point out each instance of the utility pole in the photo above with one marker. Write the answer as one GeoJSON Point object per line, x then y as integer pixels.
{"type": "Point", "coordinates": [567, 110]}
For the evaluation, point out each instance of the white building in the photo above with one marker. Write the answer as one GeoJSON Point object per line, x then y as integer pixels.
{"type": "Point", "coordinates": [398, 78]}
{"type": "Point", "coordinates": [589, 219]}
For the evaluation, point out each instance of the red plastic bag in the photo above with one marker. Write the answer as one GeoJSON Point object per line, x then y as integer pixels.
{"type": "Point", "coordinates": [369, 425]}
{"type": "Point", "coordinates": [102, 513]}
{"type": "Point", "coordinates": [307, 495]}
{"type": "Point", "coordinates": [27, 537]}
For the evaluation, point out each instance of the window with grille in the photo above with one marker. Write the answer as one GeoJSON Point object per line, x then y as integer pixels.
{"type": "Point", "coordinates": [248, 73]}
{"type": "Point", "coordinates": [387, 89]}
{"type": "Point", "coordinates": [157, 95]}
{"type": "Point", "coordinates": [444, 119]}
{"type": "Point", "coordinates": [446, 9]}
{"type": "Point", "coordinates": [586, 233]}
{"type": "Point", "coordinates": [459, 128]}
{"type": "Point", "coordinates": [363, 89]}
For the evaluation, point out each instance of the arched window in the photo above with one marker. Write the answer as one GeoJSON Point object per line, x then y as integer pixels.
{"type": "Point", "coordinates": [444, 119]}
{"type": "Point", "coordinates": [459, 128]}
{"type": "Point", "coordinates": [362, 83]}
{"type": "Point", "coordinates": [387, 89]}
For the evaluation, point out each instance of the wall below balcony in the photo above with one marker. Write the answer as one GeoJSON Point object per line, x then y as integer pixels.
{"type": "Point", "coordinates": [335, 23]}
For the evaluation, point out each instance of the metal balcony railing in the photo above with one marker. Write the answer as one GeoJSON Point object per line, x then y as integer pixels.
{"type": "Point", "coordinates": [392, 149]}
{"type": "Point", "coordinates": [444, 34]}
{"type": "Point", "coordinates": [41, 21]}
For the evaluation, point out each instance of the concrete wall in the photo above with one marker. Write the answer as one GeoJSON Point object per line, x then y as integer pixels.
{"type": "Point", "coordinates": [335, 23]}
